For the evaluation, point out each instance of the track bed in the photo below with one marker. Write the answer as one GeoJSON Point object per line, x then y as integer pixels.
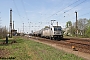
{"type": "Point", "coordinates": [81, 45]}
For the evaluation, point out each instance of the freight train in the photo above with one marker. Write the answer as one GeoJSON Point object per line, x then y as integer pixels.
{"type": "Point", "coordinates": [54, 32]}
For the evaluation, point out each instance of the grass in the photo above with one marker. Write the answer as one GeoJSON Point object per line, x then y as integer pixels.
{"type": "Point", "coordinates": [26, 49]}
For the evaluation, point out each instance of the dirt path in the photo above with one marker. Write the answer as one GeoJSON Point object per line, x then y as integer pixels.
{"type": "Point", "coordinates": [77, 53]}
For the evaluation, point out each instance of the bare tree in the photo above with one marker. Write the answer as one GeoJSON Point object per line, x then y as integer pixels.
{"type": "Point", "coordinates": [82, 26]}
{"type": "Point", "coordinates": [3, 32]}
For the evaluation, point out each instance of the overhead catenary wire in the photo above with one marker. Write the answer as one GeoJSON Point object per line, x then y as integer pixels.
{"type": "Point", "coordinates": [80, 15]}
{"type": "Point", "coordinates": [17, 11]}
{"type": "Point", "coordinates": [64, 8]}
{"type": "Point", "coordinates": [74, 7]}
{"type": "Point", "coordinates": [57, 4]}
{"type": "Point", "coordinates": [55, 13]}
{"type": "Point", "coordinates": [84, 14]}
{"type": "Point", "coordinates": [24, 10]}
{"type": "Point", "coordinates": [25, 13]}
{"type": "Point", "coordinates": [70, 4]}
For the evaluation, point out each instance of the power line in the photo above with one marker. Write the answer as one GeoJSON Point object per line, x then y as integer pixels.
{"type": "Point", "coordinates": [58, 3]}
{"type": "Point", "coordinates": [84, 14]}
{"type": "Point", "coordinates": [17, 10]}
{"type": "Point", "coordinates": [24, 9]}
{"type": "Point", "coordinates": [75, 6]}
{"type": "Point", "coordinates": [68, 6]}
{"type": "Point", "coordinates": [64, 8]}
{"type": "Point", "coordinates": [25, 13]}
{"type": "Point", "coordinates": [81, 15]}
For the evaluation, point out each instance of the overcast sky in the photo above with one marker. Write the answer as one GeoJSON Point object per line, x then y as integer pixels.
{"type": "Point", "coordinates": [39, 13]}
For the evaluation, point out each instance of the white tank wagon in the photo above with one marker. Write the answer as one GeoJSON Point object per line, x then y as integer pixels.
{"type": "Point", "coordinates": [39, 33]}
{"type": "Point", "coordinates": [46, 32]}
{"type": "Point", "coordinates": [55, 32]}
{"type": "Point", "coordinates": [36, 33]}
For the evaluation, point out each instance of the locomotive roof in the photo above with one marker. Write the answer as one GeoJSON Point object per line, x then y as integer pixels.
{"type": "Point", "coordinates": [56, 26]}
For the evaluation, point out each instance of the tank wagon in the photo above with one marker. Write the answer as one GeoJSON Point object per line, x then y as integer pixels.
{"type": "Point", "coordinates": [38, 33]}
{"type": "Point", "coordinates": [55, 32]}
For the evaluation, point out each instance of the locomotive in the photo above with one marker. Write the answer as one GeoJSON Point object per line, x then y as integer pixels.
{"type": "Point", "coordinates": [54, 32]}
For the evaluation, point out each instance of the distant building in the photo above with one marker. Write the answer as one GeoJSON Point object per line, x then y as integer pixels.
{"type": "Point", "coordinates": [14, 32]}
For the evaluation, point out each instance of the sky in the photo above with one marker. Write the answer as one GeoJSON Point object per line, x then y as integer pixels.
{"type": "Point", "coordinates": [36, 14]}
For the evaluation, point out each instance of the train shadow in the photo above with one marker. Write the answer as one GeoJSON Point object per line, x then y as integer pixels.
{"type": "Point", "coordinates": [64, 39]}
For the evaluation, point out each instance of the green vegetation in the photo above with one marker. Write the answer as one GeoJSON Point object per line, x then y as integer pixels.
{"type": "Point", "coordinates": [88, 32]}
{"type": "Point", "coordinates": [83, 28]}
{"type": "Point", "coordinates": [26, 49]}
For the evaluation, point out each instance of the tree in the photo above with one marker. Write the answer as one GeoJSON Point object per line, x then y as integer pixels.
{"type": "Point", "coordinates": [82, 23]}
{"type": "Point", "coordinates": [3, 32]}
{"type": "Point", "coordinates": [88, 23]}
{"type": "Point", "coordinates": [82, 26]}
{"type": "Point", "coordinates": [68, 28]}
{"type": "Point", "coordinates": [87, 32]}
{"type": "Point", "coordinates": [68, 24]}
{"type": "Point", "coordinates": [47, 27]}
{"type": "Point", "coordinates": [88, 29]}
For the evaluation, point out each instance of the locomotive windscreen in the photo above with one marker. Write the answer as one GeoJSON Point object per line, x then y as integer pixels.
{"type": "Point", "coordinates": [57, 28]}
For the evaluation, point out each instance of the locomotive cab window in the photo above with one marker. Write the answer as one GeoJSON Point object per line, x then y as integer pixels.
{"type": "Point", "coordinates": [51, 28]}
{"type": "Point", "coordinates": [57, 29]}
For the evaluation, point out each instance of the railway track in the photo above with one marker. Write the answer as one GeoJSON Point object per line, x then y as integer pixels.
{"type": "Point", "coordinates": [80, 45]}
